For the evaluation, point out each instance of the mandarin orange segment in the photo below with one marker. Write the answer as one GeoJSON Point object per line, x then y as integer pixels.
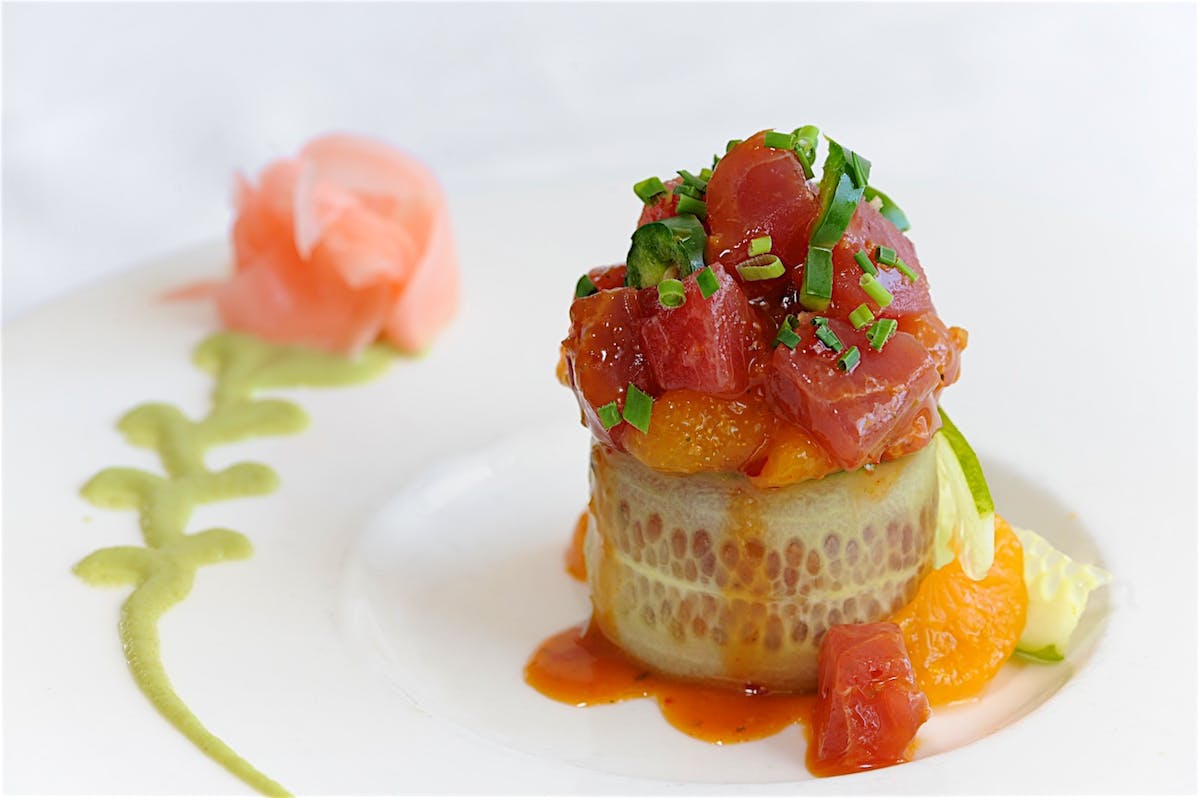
{"type": "Point", "coordinates": [959, 632]}
{"type": "Point", "coordinates": [692, 432]}
{"type": "Point", "coordinates": [791, 456]}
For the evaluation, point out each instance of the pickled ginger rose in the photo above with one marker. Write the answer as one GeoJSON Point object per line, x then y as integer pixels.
{"type": "Point", "coordinates": [347, 243]}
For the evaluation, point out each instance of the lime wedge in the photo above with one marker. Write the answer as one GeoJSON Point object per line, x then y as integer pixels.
{"type": "Point", "coordinates": [966, 513]}
{"type": "Point", "coordinates": [1058, 593]}
{"type": "Point", "coordinates": [970, 465]}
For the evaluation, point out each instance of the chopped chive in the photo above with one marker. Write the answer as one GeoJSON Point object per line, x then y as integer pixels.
{"type": "Point", "coordinates": [706, 173]}
{"type": "Point", "coordinates": [829, 337]}
{"type": "Point", "coordinates": [731, 144]}
{"type": "Point", "coordinates": [859, 169]}
{"type": "Point", "coordinates": [649, 189]}
{"type": "Point", "coordinates": [864, 262]}
{"type": "Point", "coordinates": [875, 290]}
{"type": "Point", "coordinates": [691, 180]}
{"type": "Point", "coordinates": [817, 321]}
{"type": "Point", "coordinates": [885, 255]}
{"type": "Point", "coordinates": [707, 282]}
{"type": "Point", "coordinates": [787, 332]}
{"type": "Point", "coordinates": [638, 406]}
{"type": "Point", "coordinates": [906, 270]}
{"type": "Point", "coordinates": [779, 141]}
{"type": "Point", "coordinates": [684, 190]}
{"type": "Point", "coordinates": [889, 209]}
{"type": "Point", "coordinates": [839, 193]}
{"type": "Point", "coordinates": [760, 245]}
{"type": "Point", "coordinates": [761, 267]}
{"type": "Point", "coordinates": [817, 287]}
{"type": "Point", "coordinates": [849, 361]}
{"type": "Point", "coordinates": [716, 160]}
{"type": "Point", "coordinates": [610, 415]}
{"type": "Point", "coordinates": [880, 332]}
{"type": "Point", "coordinates": [861, 316]}
{"type": "Point", "coordinates": [692, 205]}
{"type": "Point", "coordinates": [670, 293]}
{"type": "Point", "coordinates": [806, 147]}
{"type": "Point", "coordinates": [585, 287]}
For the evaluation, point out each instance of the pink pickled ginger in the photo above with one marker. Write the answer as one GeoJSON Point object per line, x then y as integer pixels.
{"type": "Point", "coordinates": [347, 243]}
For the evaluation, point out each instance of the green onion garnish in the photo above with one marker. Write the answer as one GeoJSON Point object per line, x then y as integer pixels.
{"type": "Point", "coordinates": [906, 270]}
{"type": "Point", "coordinates": [670, 293]}
{"type": "Point", "coordinates": [684, 190]}
{"type": "Point", "coordinates": [890, 210]}
{"type": "Point", "coordinates": [880, 332]}
{"type": "Point", "coordinates": [885, 255]}
{"type": "Point", "coordinates": [706, 174]}
{"type": "Point", "coordinates": [610, 415]}
{"type": "Point", "coordinates": [829, 337]}
{"type": "Point", "coordinates": [806, 147]}
{"type": "Point", "coordinates": [849, 361]}
{"type": "Point", "coordinates": [761, 267]}
{"type": "Point", "coordinates": [839, 195]}
{"type": "Point", "coordinates": [692, 205]}
{"type": "Point", "coordinates": [861, 316]}
{"type": "Point", "coordinates": [675, 242]}
{"type": "Point", "coordinates": [875, 290]}
{"type": "Point", "coordinates": [787, 332]}
{"type": "Point", "coordinates": [817, 287]}
{"type": "Point", "coordinates": [779, 141]}
{"type": "Point", "coordinates": [817, 321]}
{"type": "Point", "coordinates": [649, 189]}
{"type": "Point", "coordinates": [707, 282]}
{"type": "Point", "coordinates": [760, 245]}
{"type": "Point", "coordinates": [864, 262]}
{"type": "Point", "coordinates": [731, 144]}
{"type": "Point", "coordinates": [691, 180]}
{"type": "Point", "coordinates": [585, 287]}
{"type": "Point", "coordinates": [638, 406]}
{"type": "Point", "coordinates": [858, 168]}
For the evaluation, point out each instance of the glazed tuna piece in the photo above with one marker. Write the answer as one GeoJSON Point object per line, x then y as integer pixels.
{"type": "Point", "coordinates": [700, 345]}
{"type": "Point", "coordinates": [852, 415]}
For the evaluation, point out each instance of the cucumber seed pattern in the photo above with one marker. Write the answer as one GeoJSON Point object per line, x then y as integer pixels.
{"type": "Point", "coordinates": [707, 577]}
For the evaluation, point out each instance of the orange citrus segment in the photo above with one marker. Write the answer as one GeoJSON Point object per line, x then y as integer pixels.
{"type": "Point", "coordinates": [959, 632]}
{"type": "Point", "coordinates": [692, 432]}
{"type": "Point", "coordinates": [792, 456]}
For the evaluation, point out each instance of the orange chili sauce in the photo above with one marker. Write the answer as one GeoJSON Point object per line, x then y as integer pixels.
{"type": "Point", "coordinates": [580, 666]}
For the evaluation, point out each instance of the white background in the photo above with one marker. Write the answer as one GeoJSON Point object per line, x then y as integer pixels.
{"type": "Point", "coordinates": [1046, 156]}
{"type": "Point", "coordinates": [123, 123]}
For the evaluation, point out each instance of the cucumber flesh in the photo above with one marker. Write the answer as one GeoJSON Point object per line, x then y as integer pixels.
{"type": "Point", "coordinates": [963, 530]}
{"type": "Point", "coordinates": [1058, 594]}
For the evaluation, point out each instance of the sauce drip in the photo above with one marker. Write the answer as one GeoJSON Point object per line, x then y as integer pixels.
{"type": "Point", "coordinates": [576, 565]}
{"type": "Point", "coordinates": [580, 666]}
{"type": "Point", "coordinates": [163, 570]}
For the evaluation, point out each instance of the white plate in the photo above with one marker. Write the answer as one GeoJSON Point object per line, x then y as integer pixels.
{"type": "Point", "coordinates": [412, 559]}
